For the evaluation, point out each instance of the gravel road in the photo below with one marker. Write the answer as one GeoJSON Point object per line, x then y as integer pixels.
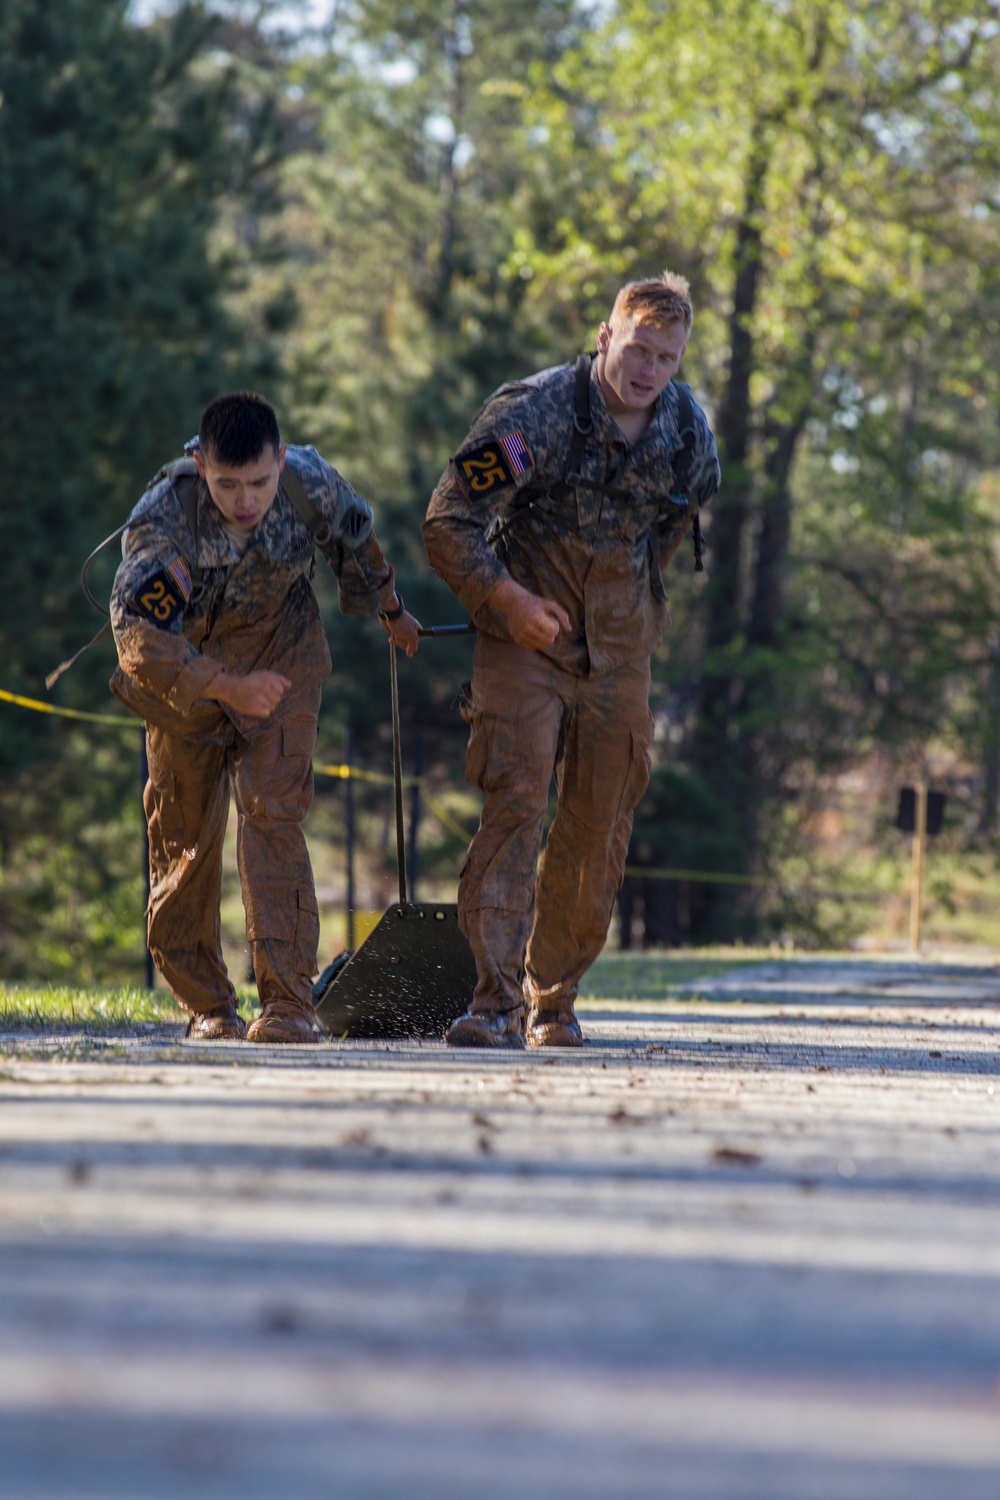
{"type": "Point", "coordinates": [744, 1246]}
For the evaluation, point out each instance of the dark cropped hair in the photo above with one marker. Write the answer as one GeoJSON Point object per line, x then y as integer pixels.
{"type": "Point", "coordinates": [236, 429]}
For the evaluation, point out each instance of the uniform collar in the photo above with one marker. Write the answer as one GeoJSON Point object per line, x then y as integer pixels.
{"type": "Point", "coordinates": [662, 428]}
{"type": "Point", "coordinates": [215, 549]}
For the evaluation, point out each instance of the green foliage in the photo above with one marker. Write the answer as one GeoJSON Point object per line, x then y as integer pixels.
{"type": "Point", "coordinates": [821, 173]}
{"type": "Point", "coordinates": [120, 148]}
{"type": "Point", "coordinates": [72, 884]}
{"type": "Point", "coordinates": [113, 152]}
{"type": "Point", "coordinates": [404, 217]}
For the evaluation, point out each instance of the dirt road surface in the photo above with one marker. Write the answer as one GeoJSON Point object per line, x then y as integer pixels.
{"type": "Point", "coordinates": [744, 1246]}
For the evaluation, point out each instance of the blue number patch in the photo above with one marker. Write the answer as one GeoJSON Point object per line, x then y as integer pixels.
{"type": "Point", "coordinates": [493, 465]}
{"type": "Point", "coordinates": [159, 599]}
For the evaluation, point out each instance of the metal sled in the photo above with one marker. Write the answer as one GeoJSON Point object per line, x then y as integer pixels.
{"type": "Point", "coordinates": [412, 976]}
{"type": "Point", "coordinates": [414, 973]}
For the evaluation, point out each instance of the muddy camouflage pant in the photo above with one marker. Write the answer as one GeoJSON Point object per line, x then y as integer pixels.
{"type": "Point", "coordinates": [534, 931]}
{"type": "Point", "coordinates": [187, 808]}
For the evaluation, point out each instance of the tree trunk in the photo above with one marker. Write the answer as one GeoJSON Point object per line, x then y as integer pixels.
{"type": "Point", "coordinates": [767, 605]}
{"type": "Point", "coordinates": [991, 741]}
{"type": "Point", "coordinates": [720, 685]}
{"type": "Point", "coordinates": [455, 103]}
{"type": "Point", "coordinates": [732, 506]}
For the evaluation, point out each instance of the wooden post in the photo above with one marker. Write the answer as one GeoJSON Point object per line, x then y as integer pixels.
{"type": "Point", "coordinates": [917, 876]}
{"type": "Point", "coordinates": [349, 835]}
{"type": "Point", "coordinates": [143, 778]}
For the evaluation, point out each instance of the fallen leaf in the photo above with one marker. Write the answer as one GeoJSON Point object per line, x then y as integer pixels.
{"type": "Point", "coordinates": [736, 1157]}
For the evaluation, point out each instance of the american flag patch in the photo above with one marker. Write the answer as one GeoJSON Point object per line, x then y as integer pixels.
{"type": "Point", "coordinates": [179, 573]}
{"type": "Point", "coordinates": [518, 457]}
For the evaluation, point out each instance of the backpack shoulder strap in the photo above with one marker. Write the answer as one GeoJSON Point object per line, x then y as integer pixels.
{"type": "Point", "coordinates": [682, 462]}
{"type": "Point", "coordinates": [315, 522]}
{"type": "Point", "coordinates": [684, 458]}
{"type": "Point", "coordinates": [583, 426]}
{"type": "Point", "coordinates": [185, 484]}
{"type": "Point", "coordinates": [184, 477]}
{"type": "Point", "coordinates": [583, 422]}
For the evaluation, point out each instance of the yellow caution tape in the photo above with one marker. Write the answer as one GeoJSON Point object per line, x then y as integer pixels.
{"type": "Point", "coordinates": [434, 807]}
{"type": "Point", "coordinates": [445, 818]}
{"type": "Point", "coordinates": [356, 773]}
{"type": "Point", "coordinates": [69, 713]}
{"type": "Point", "coordinates": [700, 875]}
{"type": "Point", "coordinates": [718, 877]}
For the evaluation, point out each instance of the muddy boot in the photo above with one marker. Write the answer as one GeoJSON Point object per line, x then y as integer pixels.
{"type": "Point", "coordinates": [553, 1028]}
{"type": "Point", "coordinates": [503, 1028]}
{"type": "Point", "coordinates": [223, 1024]}
{"type": "Point", "coordinates": [284, 1021]}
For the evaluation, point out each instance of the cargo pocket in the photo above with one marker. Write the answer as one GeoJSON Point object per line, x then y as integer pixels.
{"type": "Point", "coordinates": [306, 930]}
{"type": "Point", "coordinates": [477, 753]}
{"type": "Point", "coordinates": [161, 777]}
{"type": "Point", "coordinates": [298, 738]}
{"type": "Point", "coordinates": [290, 789]}
{"type": "Point", "coordinates": [637, 775]}
{"type": "Point", "coordinates": [164, 817]}
{"type": "Point", "coordinates": [499, 757]}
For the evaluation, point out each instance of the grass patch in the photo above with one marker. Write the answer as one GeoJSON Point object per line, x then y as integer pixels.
{"type": "Point", "coordinates": [128, 1010]}
{"type": "Point", "coordinates": [661, 974]}
{"type": "Point", "coordinates": [653, 974]}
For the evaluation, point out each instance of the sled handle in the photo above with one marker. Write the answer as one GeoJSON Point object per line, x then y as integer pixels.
{"type": "Point", "coordinates": [397, 777]}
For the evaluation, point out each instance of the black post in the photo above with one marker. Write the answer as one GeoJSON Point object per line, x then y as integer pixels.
{"type": "Point", "coordinates": [349, 832]}
{"type": "Point", "coordinates": [411, 852]}
{"type": "Point", "coordinates": [143, 778]}
{"type": "Point", "coordinates": [397, 778]}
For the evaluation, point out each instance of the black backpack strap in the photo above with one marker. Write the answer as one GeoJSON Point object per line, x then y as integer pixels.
{"type": "Point", "coordinates": [313, 518]}
{"type": "Point", "coordinates": [684, 458]}
{"type": "Point", "coordinates": [583, 422]}
{"type": "Point", "coordinates": [583, 426]}
{"type": "Point", "coordinates": [699, 544]}
{"type": "Point", "coordinates": [183, 474]}
{"type": "Point", "coordinates": [184, 477]}
{"type": "Point", "coordinates": [682, 462]}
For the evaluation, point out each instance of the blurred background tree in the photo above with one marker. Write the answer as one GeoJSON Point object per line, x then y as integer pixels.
{"type": "Point", "coordinates": [822, 173]}
{"type": "Point", "coordinates": [122, 147]}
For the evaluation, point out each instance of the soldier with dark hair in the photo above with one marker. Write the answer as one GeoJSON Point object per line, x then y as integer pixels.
{"type": "Point", "coordinates": [222, 652]}
{"type": "Point", "coordinates": [552, 524]}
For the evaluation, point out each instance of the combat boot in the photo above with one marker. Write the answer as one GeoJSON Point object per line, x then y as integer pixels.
{"type": "Point", "coordinates": [284, 1021]}
{"type": "Point", "coordinates": [504, 1028]}
{"type": "Point", "coordinates": [223, 1024]}
{"type": "Point", "coordinates": [557, 1027]}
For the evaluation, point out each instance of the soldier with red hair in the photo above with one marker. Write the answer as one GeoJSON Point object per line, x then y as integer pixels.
{"type": "Point", "coordinates": [552, 524]}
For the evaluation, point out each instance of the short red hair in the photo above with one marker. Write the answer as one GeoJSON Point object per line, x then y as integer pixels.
{"type": "Point", "coordinates": [660, 300]}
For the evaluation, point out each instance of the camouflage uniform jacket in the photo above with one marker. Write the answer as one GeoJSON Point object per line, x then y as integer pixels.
{"type": "Point", "coordinates": [595, 548]}
{"type": "Point", "coordinates": [254, 613]}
